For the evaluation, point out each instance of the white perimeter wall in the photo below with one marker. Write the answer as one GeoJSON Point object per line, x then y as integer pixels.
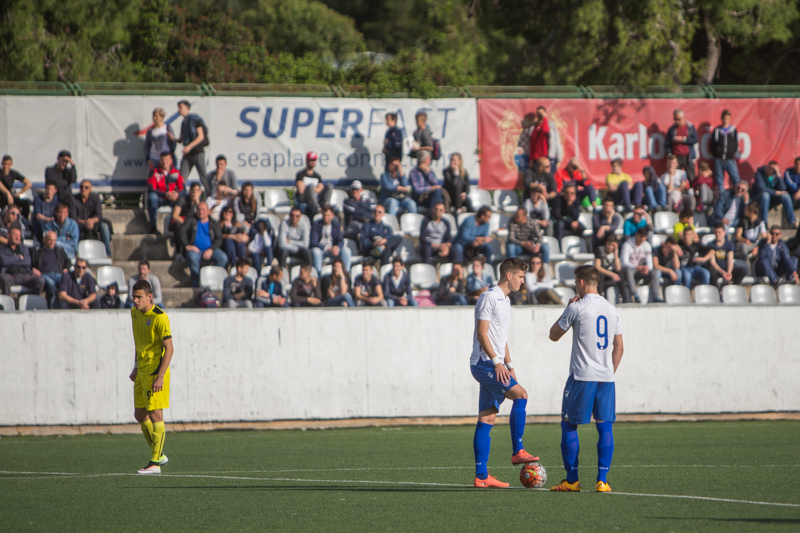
{"type": "Point", "coordinates": [72, 367]}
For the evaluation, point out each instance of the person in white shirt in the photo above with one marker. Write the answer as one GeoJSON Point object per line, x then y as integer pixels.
{"type": "Point", "coordinates": [597, 349]}
{"type": "Point", "coordinates": [679, 191]}
{"type": "Point", "coordinates": [490, 363]}
{"type": "Point", "coordinates": [636, 257]}
{"type": "Point", "coordinates": [539, 284]}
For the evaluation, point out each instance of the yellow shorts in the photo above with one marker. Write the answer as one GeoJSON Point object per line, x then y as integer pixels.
{"type": "Point", "coordinates": [143, 395]}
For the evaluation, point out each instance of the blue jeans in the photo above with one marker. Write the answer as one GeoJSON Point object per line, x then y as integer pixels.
{"type": "Point", "coordinates": [458, 299]}
{"type": "Point", "coordinates": [234, 250]}
{"type": "Point", "coordinates": [218, 258]}
{"type": "Point", "coordinates": [720, 166]}
{"type": "Point", "coordinates": [766, 201]}
{"type": "Point", "coordinates": [337, 301]}
{"type": "Point", "coordinates": [514, 250]}
{"type": "Point", "coordinates": [458, 252]}
{"type": "Point", "coordinates": [393, 204]}
{"type": "Point", "coordinates": [265, 256]}
{"type": "Point", "coordinates": [622, 196]}
{"type": "Point", "coordinates": [696, 272]}
{"type": "Point", "coordinates": [317, 255]}
{"type": "Point", "coordinates": [391, 303]}
{"type": "Point", "coordinates": [51, 281]}
{"type": "Point", "coordinates": [70, 250]}
{"type": "Point", "coordinates": [587, 190]}
{"type": "Point", "coordinates": [656, 198]}
{"type": "Point", "coordinates": [154, 201]}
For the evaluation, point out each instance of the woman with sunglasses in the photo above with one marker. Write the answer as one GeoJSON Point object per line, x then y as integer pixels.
{"type": "Point", "coordinates": [539, 284]}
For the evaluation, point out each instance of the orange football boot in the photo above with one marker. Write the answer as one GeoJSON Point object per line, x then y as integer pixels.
{"type": "Point", "coordinates": [489, 482]}
{"type": "Point", "coordinates": [523, 457]}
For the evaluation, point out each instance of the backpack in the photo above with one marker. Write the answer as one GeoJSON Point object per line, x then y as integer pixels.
{"type": "Point", "coordinates": [206, 300]}
{"type": "Point", "coordinates": [437, 150]}
{"type": "Point", "coordinates": [200, 123]}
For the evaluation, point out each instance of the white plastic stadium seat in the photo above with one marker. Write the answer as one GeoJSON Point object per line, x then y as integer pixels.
{"type": "Point", "coordinates": [445, 269]}
{"type": "Point", "coordinates": [408, 252]}
{"type": "Point", "coordinates": [643, 292]}
{"type": "Point", "coordinates": [664, 221]}
{"type": "Point", "coordinates": [565, 293]}
{"type": "Point", "coordinates": [369, 193]}
{"type": "Point", "coordinates": [327, 270]}
{"type": "Point", "coordinates": [707, 239]}
{"type": "Point", "coordinates": [295, 273]}
{"type": "Point", "coordinates": [28, 302]}
{"type": "Point", "coordinates": [498, 224]}
{"type": "Point", "coordinates": [338, 197]}
{"type": "Point", "coordinates": [701, 223]}
{"type": "Point", "coordinates": [277, 201]}
{"type": "Point", "coordinates": [355, 256]}
{"type": "Point", "coordinates": [479, 198]}
{"type": "Point", "coordinates": [462, 217]}
{"type": "Point", "coordinates": [355, 271]}
{"type": "Point", "coordinates": [106, 275]}
{"type": "Point", "coordinates": [274, 220]}
{"type": "Point", "coordinates": [212, 277]}
{"type": "Point", "coordinates": [586, 221]}
{"type": "Point", "coordinates": [576, 249]}
{"type": "Point", "coordinates": [555, 249]}
{"type": "Point", "coordinates": [658, 240]}
{"type": "Point", "coordinates": [385, 269]}
{"type": "Point", "coordinates": [94, 252]}
{"type": "Point", "coordinates": [706, 295]}
{"type": "Point", "coordinates": [410, 223]}
{"type": "Point", "coordinates": [251, 273]}
{"type": "Point", "coordinates": [748, 279]}
{"type": "Point", "coordinates": [565, 272]}
{"type": "Point", "coordinates": [678, 295]}
{"type": "Point", "coordinates": [762, 294]}
{"type": "Point", "coordinates": [506, 201]}
{"type": "Point", "coordinates": [486, 268]}
{"type": "Point", "coordinates": [260, 209]}
{"type": "Point", "coordinates": [789, 294]}
{"type": "Point", "coordinates": [7, 303]}
{"type": "Point", "coordinates": [423, 276]}
{"type": "Point", "coordinates": [391, 221]}
{"type": "Point", "coordinates": [453, 224]}
{"type": "Point", "coordinates": [497, 250]}
{"type": "Point", "coordinates": [734, 294]}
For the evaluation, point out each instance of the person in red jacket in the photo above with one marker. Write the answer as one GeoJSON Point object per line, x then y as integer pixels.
{"type": "Point", "coordinates": [164, 187]}
{"type": "Point", "coordinates": [540, 136]}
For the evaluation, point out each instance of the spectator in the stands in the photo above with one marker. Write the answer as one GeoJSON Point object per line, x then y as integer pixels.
{"type": "Point", "coordinates": [143, 269]}
{"type": "Point", "coordinates": [609, 265]}
{"type": "Point", "coordinates": [478, 281]}
{"type": "Point", "coordinates": [234, 236]}
{"type": "Point", "coordinates": [336, 287]}
{"type": "Point", "coordinates": [769, 190]}
{"type": "Point", "coordinates": [423, 136]}
{"type": "Point", "coordinates": [294, 238]}
{"type": "Point", "coordinates": [539, 284]}
{"type": "Point", "coordinates": [679, 193]}
{"type": "Point", "coordinates": [621, 187]}
{"type": "Point", "coordinates": [473, 237]}
{"type": "Point", "coordinates": [222, 180]}
{"type": "Point", "coordinates": [358, 209]}
{"type": "Point", "coordinates": [10, 219]}
{"type": "Point", "coordinates": [435, 237]}
{"type": "Point", "coordinates": [327, 240]}
{"type": "Point", "coordinates": [539, 175]}
{"type": "Point", "coordinates": [605, 222]}
{"type": "Point", "coordinates": [425, 188]}
{"type": "Point", "coordinates": [312, 192]}
{"type": "Point", "coordinates": [237, 289]}
{"type": "Point", "coordinates": [246, 205]}
{"type": "Point", "coordinates": [77, 289]}
{"type": "Point", "coordinates": [730, 206]}
{"type": "Point", "coordinates": [655, 191]}
{"type": "Point", "coordinates": [66, 229]}
{"type": "Point", "coordinates": [218, 200]}
{"type": "Point", "coordinates": [680, 141]}
{"type": "Point", "coordinates": [186, 206]}
{"type": "Point", "coordinates": [538, 209]}
{"type": "Point", "coordinates": [566, 213]}
{"type": "Point", "coordinates": [194, 137]}
{"type": "Point", "coordinates": [159, 138]}
{"type": "Point", "coordinates": [111, 299]}
{"type": "Point", "coordinates": [262, 239]}
{"type": "Point", "coordinates": [640, 219]}
{"type": "Point", "coordinates": [270, 291]}
{"type": "Point", "coordinates": [62, 175]}
{"type": "Point", "coordinates": [636, 257]}
{"type": "Point", "coordinates": [703, 186]}
{"type": "Point", "coordinates": [200, 238]}
{"type": "Point", "coordinates": [456, 183]}
{"type": "Point", "coordinates": [397, 286]}
{"type": "Point", "coordinates": [306, 290]}
{"type": "Point", "coordinates": [396, 189]}
{"type": "Point", "coordinates": [523, 154]}
{"type": "Point", "coordinates": [774, 261]}
{"type": "Point", "coordinates": [87, 211]}
{"type": "Point", "coordinates": [44, 209]}
{"type": "Point", "coordinates": [525, 236]}
{"type": "Point", "coordinates": [164, 187]}
{"type": "Point", "coordinates": [791, 178]}
{"type": "Point", "coordinates": [573, 172]}
{"type": "Point", "coordinates": [16, 267]}
{"type": "Point", "coordinates": [452, 288]}
{"type": "Point", "coordinates": [377, 238]}
{"type": "Point", "coordinates": [392, 141]}
{"type": "Point", "coordinates": [540, 136]}
{"type": "Point", "coordinates": [367, 288]}
{"type": "Point", "coordinates": [666, 259]}
{"type": "Point", "coordinates": [53, 263]}
{"type": "Point", "coordinates": [750, 230]}
{"type": "Point", "coordinates": [722, 267]}
{"type": "Point", "coordinates": [693, 259]}
{"type": "Point", "coordinates": [8, 196]}
{"type": "Point", "coordinates": [723, 145]}
{"type": "Point", "coordinates": [685, 221]}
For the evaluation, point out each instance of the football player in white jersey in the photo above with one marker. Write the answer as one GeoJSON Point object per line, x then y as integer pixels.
{"type": "Point", "coordinates": [491, 366]}
{"type": "Point", "coordinates": [596, 353]}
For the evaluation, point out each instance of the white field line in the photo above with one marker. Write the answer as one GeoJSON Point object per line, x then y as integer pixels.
{"type": "Point", "coordinates": [68, 475]}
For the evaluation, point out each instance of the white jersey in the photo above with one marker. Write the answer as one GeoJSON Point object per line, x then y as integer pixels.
{"type": "Point", "coordinates": [595, 322]}
{"type": "Point", "coordinates": [495, 307]}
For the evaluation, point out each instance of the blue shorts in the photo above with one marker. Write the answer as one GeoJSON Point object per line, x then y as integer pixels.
{"type": "Point", "coordinates": [582, 399]}
{"type": "Point", "coordinates": [493, 392]}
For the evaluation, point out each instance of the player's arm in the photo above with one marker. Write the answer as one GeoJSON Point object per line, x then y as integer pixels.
{"type": "Point", "coordinates": [158, 383]}
{"type": "Point", "coordinates": [499, 367]}
{"type": "Point", "coordinates": [509, 364]}
{"type": "Point", "coordinates": [556, 332]}
{"type": "Point", "coordinates": [616, 354]}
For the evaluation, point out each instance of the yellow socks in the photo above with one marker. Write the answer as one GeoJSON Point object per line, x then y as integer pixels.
{"type": "Point", "coordinates": [147, 429]}
{"type": "Point", "coordinates": [159, 432]}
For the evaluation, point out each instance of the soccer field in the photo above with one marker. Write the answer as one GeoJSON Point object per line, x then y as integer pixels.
{"type": "Point", "coordinates": [711, 476]}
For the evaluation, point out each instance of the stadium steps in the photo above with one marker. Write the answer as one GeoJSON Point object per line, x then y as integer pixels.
{"type": "Point", "coordinates": [132, 221]}
{"type": "Point", "coordinates": [136, 247]}
{"type": "Point", "coordinates": [180, 297]}
{"type": "Point", "coordinates": [171, 274]}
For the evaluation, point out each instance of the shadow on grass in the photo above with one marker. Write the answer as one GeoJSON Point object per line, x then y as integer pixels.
{"type": "Point", "coordinates": [328, 488]}
{"type": "Point", "coordinates": [753, 520]}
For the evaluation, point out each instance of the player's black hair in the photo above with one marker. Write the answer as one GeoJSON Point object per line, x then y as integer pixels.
{"type": "Point", "coordinates": [511, 265]}
{"type": "Point", "coordinates": [142, 285]}
{"type": "Point", "coordinates": [589, 274]}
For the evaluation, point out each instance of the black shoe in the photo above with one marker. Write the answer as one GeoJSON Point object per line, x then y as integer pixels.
{"type": "Point", "coordinates": [154, 230]}
{"type": "Point", "coordinates": [792, 225]}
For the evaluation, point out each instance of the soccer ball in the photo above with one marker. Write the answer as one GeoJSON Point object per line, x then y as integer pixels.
{"type": "Point", "coordinates": [532, 475]}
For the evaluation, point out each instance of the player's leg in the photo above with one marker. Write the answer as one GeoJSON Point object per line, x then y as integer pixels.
{"type": "Point", "coordinates": [140, 412]}
{"type": "Point", "coordinates": [159, 433]}
{"type": "Point", "coordinates": [156, 402]}
{"type": "Point", "coordinates": [576, 408]}
{"type": "Point", "coordinates": [490, 398]}
{"type": "Point", "coordinates": [516, 422]}
{"type": "Point", "coordinates": [604, 411]}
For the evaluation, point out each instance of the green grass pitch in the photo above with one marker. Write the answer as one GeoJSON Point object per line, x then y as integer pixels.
{"type": "Point", "coordinates": [665, 477]}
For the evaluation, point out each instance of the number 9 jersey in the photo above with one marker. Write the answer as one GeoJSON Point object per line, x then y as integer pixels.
{"type": "Point", "coordinates": [595, 322]}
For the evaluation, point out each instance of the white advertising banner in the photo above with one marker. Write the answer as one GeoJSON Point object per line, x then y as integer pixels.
{"type": "Point", "coordinates": [264, 139]}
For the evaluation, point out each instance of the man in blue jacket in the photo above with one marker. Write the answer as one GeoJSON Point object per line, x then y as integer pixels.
{"type": "Point", "coordinates": [397, 286]}
{"type": "Point", "coordinates": [327, 240]}
{"type": "Point", "coordinates": [377, 238]}
{"type": "Point", "coordinates": [769, 190]}
{"type": "Point", "coordinates": [724, 144]}
{"type": "Point", "coordinates": [681, 138]}
{"type": "Point", "coordinates": [66, 229]}
{"type": "Point", "coordinates": [774, 260]}
{"type": "Point", "coordinates": [435, 236]}
{"type": "Point", "coordinates": [473, 237]}
{"type": "Point", "coordinates": [730, 205]}
{"type": "Point", "coordinates": [792, 180]}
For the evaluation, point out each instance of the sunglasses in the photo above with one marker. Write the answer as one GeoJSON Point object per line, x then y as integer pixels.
{"type": "Point", "coordinates": [84, 187]}
{"type": "Point", "coordinates": [78, 267]}
{"type": "Point", "coordinates": [776, 234]}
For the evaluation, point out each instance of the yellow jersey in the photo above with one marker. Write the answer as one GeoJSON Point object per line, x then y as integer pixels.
{"type": "Point", "coordinates": [150, 329]}
{"type": "Point", "coordinates": [618, 179]}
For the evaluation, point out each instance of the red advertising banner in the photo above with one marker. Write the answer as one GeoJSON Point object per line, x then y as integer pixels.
{"type": "Point", "coordinates": [597, 131]}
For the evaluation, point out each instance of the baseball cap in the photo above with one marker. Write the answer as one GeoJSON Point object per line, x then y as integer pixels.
{"type": "Point", "coordinates": [356, 185]}
{"type": "Point", "coordinates": [311, 156]}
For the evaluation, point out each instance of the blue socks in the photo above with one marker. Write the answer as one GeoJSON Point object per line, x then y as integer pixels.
{"type": "Point", "coordinates": [517, 423]}
{"type": "Point", "coordinates": [605, 449]}
{"type": "Point", "coordinates": [569, 449]}
{"type": "Point", "coordinates": [481, 444]}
